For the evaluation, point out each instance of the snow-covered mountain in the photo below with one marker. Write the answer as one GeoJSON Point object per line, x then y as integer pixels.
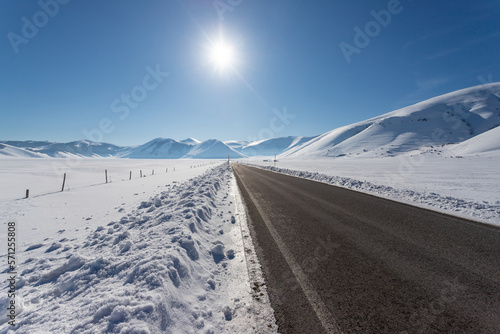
{"type": "Point", "coordinates": [16, 152]}
{"type": "Point", "coordinates": [166, 148]}
{"type": "Point", "coordinates": [82, 148]}
{"type": "Point", "coordinates": [213, 149]}
{"type": "Point", "coordinates": [160, 148]}
{"type": "Point", "coordinates": [488, 141]}
{"type": "Point", "coordinates": [237, 145]}
{"type": "Point", "coordinates": [451, 118]}
{"type": "Point", "coordinates": [27, 143]}
{"type": "Point", "coordinates": [190, 141]}
{"type": "Point", "coordinates": [75, 149]}
{"type": "Point", "coordinates": [270, 147]}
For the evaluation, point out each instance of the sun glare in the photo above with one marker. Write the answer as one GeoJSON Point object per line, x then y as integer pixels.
{"type": "Point", "coordinates": [222, 55]}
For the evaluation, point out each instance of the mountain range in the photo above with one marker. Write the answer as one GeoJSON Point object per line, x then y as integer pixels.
{"type": "Point", "coordinates": [462, 122]}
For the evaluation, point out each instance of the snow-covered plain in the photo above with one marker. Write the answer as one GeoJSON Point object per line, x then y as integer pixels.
{"type": "Point", "coordinates": [45, 176]}
{"type": "Point", "coordinates": [158, 254]}
{"type": "Point", "coordinates": [465, 186]}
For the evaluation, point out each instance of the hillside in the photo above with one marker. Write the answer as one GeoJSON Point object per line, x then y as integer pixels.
{"type": "Point", "coordinates": [75, 149]}
{"type": "Point", "coordinates": [269, 147]}
{"type": "Point", "coordinates": [160, 148]}
{"type": "Point", "coordinates": [451, 118]}
{"type": "Point", "coordinates": [213, 149]}
{"type": "Point", "coordinates": [8, 151]}
{"type": "Point", "coordinates": [488, 141]}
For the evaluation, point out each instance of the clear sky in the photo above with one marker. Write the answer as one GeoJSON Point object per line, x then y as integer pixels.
{"type": "Point", "coordinates": [128, 71]}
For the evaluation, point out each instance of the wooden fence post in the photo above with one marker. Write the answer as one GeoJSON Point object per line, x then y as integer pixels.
{"type": "Point", "coordinates": [106, 173]}
{"type": "Point", "coordinates": [141, 172]}
{"type": "Point", "coordinates": [64, 181]}
{"type": "Point", "coordinates": [27, 193]}
{"type": "Point", "coordinates": [130, 177]}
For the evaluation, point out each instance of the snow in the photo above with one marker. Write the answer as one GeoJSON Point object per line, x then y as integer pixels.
{"type": "Point", "coordinates": [446, 119]}
{"type": "Point", "coordinates": [81, 148]}
{"type": "Point", "coordinates": [159, 148]}
{"type": "Point", "coordinates": [163, 148]}
{"type": "Point", "coordinates": [236, 144]}
{"type": "Point", "coordinates": [488, 141]}
{"type": "Point", "coordinates": [158, 254]}
{"type": "Point", "coordinates": [45, 176]}
{"type": "Point", "coordinates": [190, 141]}
{"type": "Point", "coordinates": [213, 149]}
{"type": "Point", "coordinates": [8, 151]}
{"type": "Point", "coordinates": [269, 147]}
{"type": "Point", "coordinates": [190, 148]}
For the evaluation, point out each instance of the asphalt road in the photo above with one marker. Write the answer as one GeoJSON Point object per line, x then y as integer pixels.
{"type": "Point", "coordinates": [339, 261]}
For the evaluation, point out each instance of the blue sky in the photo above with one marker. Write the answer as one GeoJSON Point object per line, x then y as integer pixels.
{"type": "Point", "coordinates": [126, 71]}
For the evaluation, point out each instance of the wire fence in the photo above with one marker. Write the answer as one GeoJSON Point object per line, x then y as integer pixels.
{"type": "Point", "coordinates": [24, 184]}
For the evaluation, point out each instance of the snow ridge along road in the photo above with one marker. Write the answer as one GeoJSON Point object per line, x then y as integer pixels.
{"type": "Point", "coordinates": [175, 264]}
{"type": "Point", "coordinates": [386, 267]}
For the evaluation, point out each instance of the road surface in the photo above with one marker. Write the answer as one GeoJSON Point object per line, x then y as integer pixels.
{"type": "Point", "coordinates": [339, 261]}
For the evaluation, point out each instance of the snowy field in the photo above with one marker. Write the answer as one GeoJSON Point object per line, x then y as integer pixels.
{"type": "Point", "coordinates": [44, 176]}
{"type": "Point", "coordinates": [170, 252]}
{"type": "Point", "coordinates": [87, 199]}
{"type": "Point", "coordinates": [468, 186]}
{"type": "Point", "coordinates": [165, 253]}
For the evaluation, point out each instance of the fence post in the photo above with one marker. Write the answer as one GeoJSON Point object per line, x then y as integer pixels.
{"type": "Point", "coordinates": [130, 177]}
{"type": "Point", "coordinates": [64, 181]}
{"type": "Point", "coordinates": [141, 172]}
{"type": "Point", "coordinates": [153, 172]}
{"type": "Point", "coordinates": [106, 172]}
{"type": "Point", "coordinates": [27, 193]}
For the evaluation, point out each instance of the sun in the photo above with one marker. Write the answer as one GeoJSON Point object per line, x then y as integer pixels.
{"type": "Point", "coordinates": [222, 55]}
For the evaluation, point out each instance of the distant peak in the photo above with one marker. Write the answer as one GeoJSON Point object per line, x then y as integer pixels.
{"type": "Point", "coordinates": [190, 141]}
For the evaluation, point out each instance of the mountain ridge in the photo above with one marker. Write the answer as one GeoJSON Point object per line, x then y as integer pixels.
{"type": "Point", "coordinates": [446, 120]}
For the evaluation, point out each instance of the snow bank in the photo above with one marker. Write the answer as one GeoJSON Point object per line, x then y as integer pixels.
{"type": "Point", "coordinates": [170, 266]}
